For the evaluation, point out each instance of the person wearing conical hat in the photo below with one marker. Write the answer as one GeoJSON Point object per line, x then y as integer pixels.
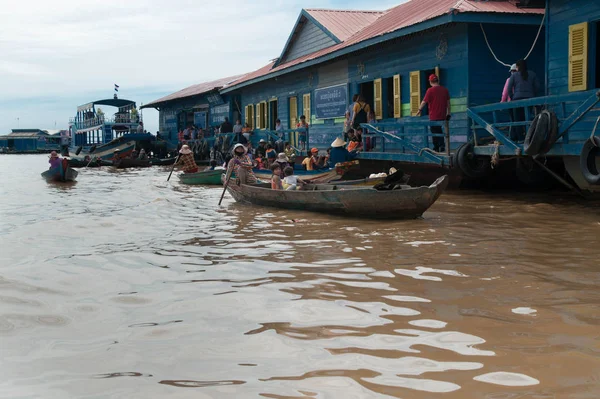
{"type": "Point", "coordinates": [186, 158]}
{"type": "Point", "coordinates": [54, 160]}
{"type": "Point", "coordinates": [241, 165]}
{"type": "Point", "coordinates": [339, 153]}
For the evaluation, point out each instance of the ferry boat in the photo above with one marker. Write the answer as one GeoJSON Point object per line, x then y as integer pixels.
{"type": "Point", "coordinates": [94, 134]}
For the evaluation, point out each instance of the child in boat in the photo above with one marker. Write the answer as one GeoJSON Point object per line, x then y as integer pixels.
{"type": "Point", "coordinates": [54, 160]}
{"type": "Point", "coordinates": [290, 181]}
{"type": "Point", "coordinates": [289, 152]}
{"type": "Point", "coordinates": [275, 177]}
{"type": "Point", "coordinates": [186, 158]}
{"type": "Point", "coordinates": [271, 154]}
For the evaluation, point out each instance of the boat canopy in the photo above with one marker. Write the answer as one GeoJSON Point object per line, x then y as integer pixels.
{"type": "Point", "coordinates": [112, 102]}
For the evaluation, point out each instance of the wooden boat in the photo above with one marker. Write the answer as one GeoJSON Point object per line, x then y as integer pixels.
{"type": "Point", "coordinates": [162, 161]}
{"type": "Point", "coordinates": [209, 177]}
{"type": "Point", "coordinates": [131, 163]}
{"type": "Point", "coordinates": [61, 174]}
{"type": "Point", "coordinates": [405, 203]}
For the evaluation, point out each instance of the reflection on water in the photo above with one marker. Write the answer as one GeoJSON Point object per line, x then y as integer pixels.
{"type": "Point", "coordinates": [123, 285]}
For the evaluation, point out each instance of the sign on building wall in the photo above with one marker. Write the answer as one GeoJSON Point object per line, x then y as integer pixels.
{"type": "Point", "coordinates": [331, 102]}
{"type": "Point", "coordinates": [214, 99]}
{"type": "Point", "coordinates": [218, 114]}
{"type": "Point", "coordinates": [200, 119]}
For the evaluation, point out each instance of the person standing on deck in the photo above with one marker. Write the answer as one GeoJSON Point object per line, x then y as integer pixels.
{"type": "Point", "coordinates": [226, 126]}
{"type": "Point", "coordinates": [140, 128]}
{"type": "Point", "coordinates": [361, 111]}
{"type": "Point", "coordinates": [279, 129]}
{"type": "Point", "coordinates": [237, 129]}
{"type": "Point", "coordinates": [523, 84]}
{"type": "Point", "coordinates": [302, 133]}
{"type": "Point", "coordinates": [349, 116]}
{"type": "Point", "coordinates": [506, 97]}
{"type": "Point", "coordinates": [438, 100]}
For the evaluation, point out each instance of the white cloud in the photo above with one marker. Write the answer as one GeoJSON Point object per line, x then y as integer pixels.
{"type": "Point", "coordinates": [77, 49]}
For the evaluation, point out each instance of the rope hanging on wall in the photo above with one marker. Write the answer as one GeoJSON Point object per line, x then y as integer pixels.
{"type": "Point", "coordinates": [530, 50]}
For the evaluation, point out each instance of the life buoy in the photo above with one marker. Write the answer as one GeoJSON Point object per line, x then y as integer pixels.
{"type": "Point", "coordinates": [587, 161]}
{"type": "Point", "coordinates": [542, 133]}
{"type": "Point", "coordinates": [471, 165]}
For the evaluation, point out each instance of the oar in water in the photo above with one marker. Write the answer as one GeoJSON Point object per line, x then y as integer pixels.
{"type": "Point", "coordinates": [227, 177]}
{"type": "Point", "coordinates": [91, 159]}
{"type": "Point", "coordinates": [175, 163]}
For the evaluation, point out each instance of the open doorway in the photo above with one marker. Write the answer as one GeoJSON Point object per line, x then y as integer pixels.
{"type": "Point", "coordinates": [272, 114]}
{"type": "Point", "coordinates": [595, 72]}
{"type": "Point", "coordinates": [366, 90]}
{"type": "Point", "coordinates": [428, 73]}
{"type": "Point", "coordinates": [388, 105]}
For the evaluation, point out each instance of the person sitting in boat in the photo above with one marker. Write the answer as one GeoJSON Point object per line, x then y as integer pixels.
{"type": "Point", "coordinates": [276, 177]}
{"type": "Point", "coordinates": [242, 166]}
{"type": "Point", "coordinates": [259, 164]}
{"type": "Point", "coordinates": [116, 156]}
{"type": "Point", "coordinates": [290, 153]}
{"type": "Point", "coordinates": [283, 163]}
{"type": "Point", "coordinates": [312, 162]}
{"type": "Point", "coordinates": [339, 153]}
{"type": "Point", "coordinates": [134, 154]}
{"type": "Point", "coordinates": [290, 181]}
{"type": "Point", "coordinates": [261, 150]}
{"type": "Point", "coordinates": [143, 156]}
{"type": "Point", "coordinates": [54, 160]}
{"type": "Point", "coordinates": [271, 154]}
{"type": "Point", "coordinates": [211, 166]}
{"type": "Point", "coordinates": [186, 158]}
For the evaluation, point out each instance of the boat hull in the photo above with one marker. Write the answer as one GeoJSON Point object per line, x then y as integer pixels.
{"type": "Point", "coordinates": [106, 151]}
{"type": "Point", "coordinates": [125, 163]}
{"type": "Point", "coordinates": [210, 177]}
{"type": "Point", "coordinates": [61, 174]}
{"type": "Point", "coordinates": [354, 201]}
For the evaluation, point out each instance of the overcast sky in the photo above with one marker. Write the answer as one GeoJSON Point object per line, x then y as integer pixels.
{"type": "Point", "coordinates": [56, 55]}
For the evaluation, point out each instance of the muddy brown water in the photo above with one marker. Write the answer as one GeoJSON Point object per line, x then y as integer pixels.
{"type": "Point", "coordinates": [125, 286]}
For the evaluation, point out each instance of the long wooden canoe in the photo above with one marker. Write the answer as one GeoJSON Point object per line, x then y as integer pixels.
{"type": "Point", "coordinates": [61, 174]}
{"type": "Point", "coordinates": [405, 203]}
{"type": "Point", "coordinates": [209, 177]}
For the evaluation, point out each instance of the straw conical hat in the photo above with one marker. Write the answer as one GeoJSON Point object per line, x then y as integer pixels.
{"type": "Point", "coordinates": [339, 142]}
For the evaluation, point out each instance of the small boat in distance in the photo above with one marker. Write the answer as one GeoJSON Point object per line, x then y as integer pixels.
{"type": "Point", "coordinates": [61, 174]}
{"type": "Point", "coordinates": [363, 202]}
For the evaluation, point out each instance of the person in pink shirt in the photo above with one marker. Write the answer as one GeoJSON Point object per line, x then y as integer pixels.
{"type": "Point", "coordinates": [505, 95]}
{"type": "Point", "coordinates": [54, 160]}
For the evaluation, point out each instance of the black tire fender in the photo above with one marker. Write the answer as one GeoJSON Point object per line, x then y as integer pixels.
{"type": "Point", "coordinates": [587, 161]}
{"type": "Point", "coordinates": [536, 134]}
{"type": "Point", "coordinates": [79, 150]}
{"type": "Point", "coordinates": [471, 165]}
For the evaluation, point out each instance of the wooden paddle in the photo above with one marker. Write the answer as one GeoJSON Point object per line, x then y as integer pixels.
{"type": "Point", "coordinates": [176, 159]}
{"type": "Point", "coordinates": [91, 159]}
{"type": "Point", "coordinates": [227, 177]}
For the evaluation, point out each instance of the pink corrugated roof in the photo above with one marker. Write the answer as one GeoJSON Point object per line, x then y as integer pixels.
{"type": "Point", "coordinates": [196, 89]}
{"type": "Point", "coordinates": [402, 16]}
{"type": "Point", "coordinates": [344, 23]}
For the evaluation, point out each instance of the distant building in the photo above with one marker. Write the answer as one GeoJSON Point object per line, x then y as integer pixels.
{"type": "Point", "coordinates": [32, 140]}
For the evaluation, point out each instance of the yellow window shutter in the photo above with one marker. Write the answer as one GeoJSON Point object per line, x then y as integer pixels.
{"type": "Point", "coordinates": [415, 92]}
{"type": "Point", "coordinates": [246, 114]}
{"type": "Point", "coordinates": [265, 115]}
{"type": "Point", "coordinates": [397, 101]}
{"type": "Point", "coordinates": [377, 99]}
{"type": "Point", "coordinates": [251, 116]}
{"type": "Point", "coordinates": [578, 56]}
{"type": "Point", "coordinates": [258, 121]}
{"type": "Point", "coordinates": [306, 106]}
{"type": "Point", "coordinates": [293, 112]}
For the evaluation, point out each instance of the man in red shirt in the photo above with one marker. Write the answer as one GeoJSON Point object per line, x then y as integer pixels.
{"type": "Point", "coordinates": [438, 100]}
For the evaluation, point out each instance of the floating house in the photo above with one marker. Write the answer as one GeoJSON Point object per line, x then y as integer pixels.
{"type": "Point", "coordinates": [387, 57]}
{"type": "Point", "coordinates": [201, 105]}
{"type": "Point", "coordinates": [23, 141]}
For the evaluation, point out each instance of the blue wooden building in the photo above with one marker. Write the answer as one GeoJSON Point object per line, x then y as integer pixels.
{"type": "Point", "coordinates": [200, 105]}
{"type": "Point", "coordinates": [572, 83]}
{"type": "Point", "coordinates": [387, 56]}
{"type": "Point", "coordinates": [23, 141]}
